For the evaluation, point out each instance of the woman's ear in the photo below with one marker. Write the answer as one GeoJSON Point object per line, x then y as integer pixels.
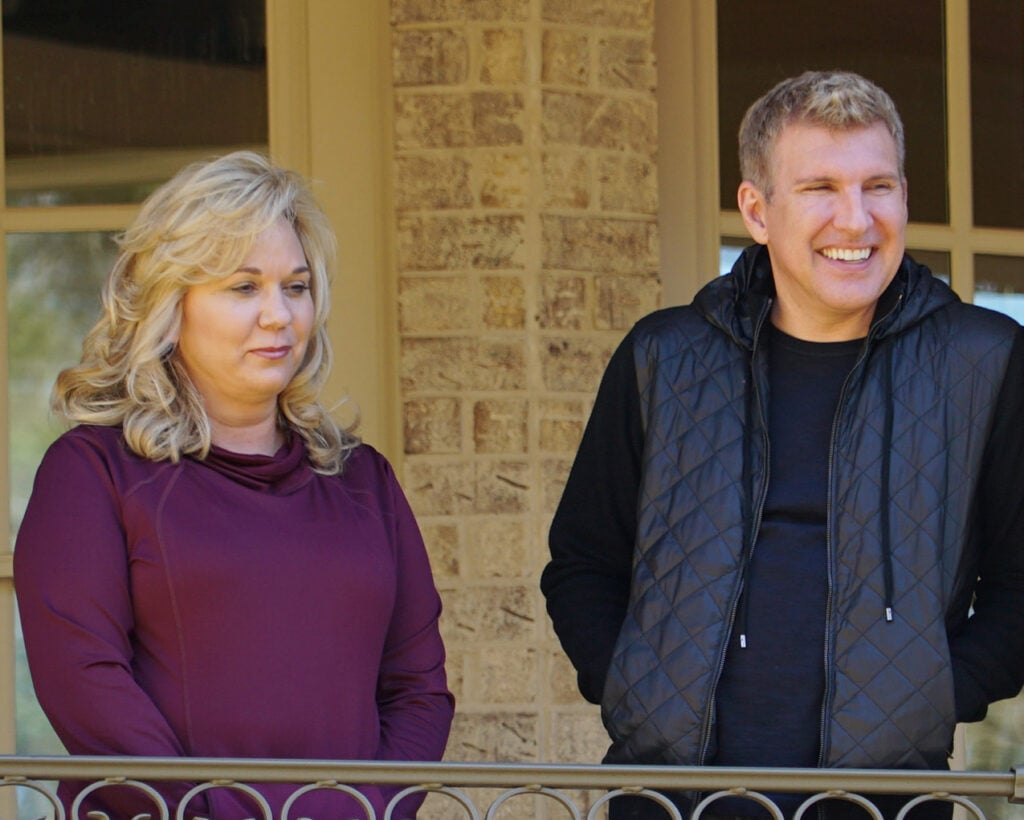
{"type": "Point", "coordinates": [752, 208]}
{"type": "Point", "coordinates": [170, 341]}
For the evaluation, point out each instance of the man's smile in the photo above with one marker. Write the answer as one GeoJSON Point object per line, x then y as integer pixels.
{"type": "Point", "coordinates": [846, 254]}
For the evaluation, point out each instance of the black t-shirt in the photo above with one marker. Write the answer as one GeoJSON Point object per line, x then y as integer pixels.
{"type": "Point", "coordinates": [779, 678]}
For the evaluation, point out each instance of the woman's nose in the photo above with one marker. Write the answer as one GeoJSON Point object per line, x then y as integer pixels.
{"type": "Point", "coordinates": [274, 310]}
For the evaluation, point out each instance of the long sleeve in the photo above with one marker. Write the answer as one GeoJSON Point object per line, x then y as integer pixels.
{"type": "Point", "coordinates": [72, 583]}
{"type": "Point", "coordinates": [586, 583]}
{"type": "Point", "coordinates": [988, 650]}
{"type": "Point", "coordinates": [415, 705]}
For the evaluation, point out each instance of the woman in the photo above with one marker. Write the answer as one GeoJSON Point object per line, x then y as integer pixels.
{"type": "Point", "coordinates": [209, 566]}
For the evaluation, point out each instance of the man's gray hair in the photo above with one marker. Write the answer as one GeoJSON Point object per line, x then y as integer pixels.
{"type": "Point", "coordinates": [839, 100]}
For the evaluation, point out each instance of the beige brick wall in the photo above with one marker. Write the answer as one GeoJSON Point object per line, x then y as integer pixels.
{"type": "Point", "coordinates": [525, 215]}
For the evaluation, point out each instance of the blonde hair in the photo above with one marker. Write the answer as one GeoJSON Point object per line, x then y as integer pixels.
{"type": "Point", "coordinates": [839, 100]}
{"type": "Point", "coordinates": [197, 227]}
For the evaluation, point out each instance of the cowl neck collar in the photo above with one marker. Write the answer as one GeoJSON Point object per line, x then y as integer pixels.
{"type": "Point", "coordinates": [282, 472]}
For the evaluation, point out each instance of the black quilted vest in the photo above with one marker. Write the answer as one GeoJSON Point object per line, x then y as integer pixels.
{"type": "Point", "coordinates": [907, 444]}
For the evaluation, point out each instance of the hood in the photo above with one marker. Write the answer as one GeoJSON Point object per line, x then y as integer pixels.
{"type": "Point", "coordinates": [735, 302]}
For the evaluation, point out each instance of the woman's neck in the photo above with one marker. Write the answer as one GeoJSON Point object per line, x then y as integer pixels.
{"type": "Point", "coordinates": [251, 438]}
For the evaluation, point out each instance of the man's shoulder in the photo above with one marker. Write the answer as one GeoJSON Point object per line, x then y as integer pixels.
{"type": "Point", "coordinates": [972, 325]}
{"type": "Point", "coordinates": [929, 300]}
{"type": "Point", "coordinates": [988, 319]}
{"type": "Point", "coordinates": [668, 321]}
{"type": "Point", "coordinates": [970, 339]}
{"type": "Point", "coordinates": [678, 339]}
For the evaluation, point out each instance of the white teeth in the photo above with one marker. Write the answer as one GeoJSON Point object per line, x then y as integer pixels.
{"type": "Point", "coordinates": [847, 254]}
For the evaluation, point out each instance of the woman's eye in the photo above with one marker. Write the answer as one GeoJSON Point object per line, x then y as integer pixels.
{"type": "Point", "coordinates": [298, 288]}
{"type": "Point", "coordinates": [244, 288]}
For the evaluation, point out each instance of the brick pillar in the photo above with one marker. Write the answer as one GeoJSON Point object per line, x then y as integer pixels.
{"type": "Point", "coordinates": [525, 198]}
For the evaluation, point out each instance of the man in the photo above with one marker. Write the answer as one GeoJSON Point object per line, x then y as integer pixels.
{"type": "Point", "coordinates": [791, 493]}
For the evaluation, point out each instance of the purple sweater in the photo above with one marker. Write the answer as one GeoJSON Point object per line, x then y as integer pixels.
{"type": "Point", "coordinates": [240, 606]}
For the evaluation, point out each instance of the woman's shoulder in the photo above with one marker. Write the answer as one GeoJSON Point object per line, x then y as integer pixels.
{"type": "Point", "coordinates": [90, 465]}
{"type": "Point", "coordinates": [98, 449]}
{"type": "Point", "coordinates": [366, 463]}
{"type": "Point", "coordinates": [87, 438]}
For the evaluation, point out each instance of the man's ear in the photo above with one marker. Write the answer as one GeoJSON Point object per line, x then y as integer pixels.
{"type": "Point", "coordinates": [751, 203]}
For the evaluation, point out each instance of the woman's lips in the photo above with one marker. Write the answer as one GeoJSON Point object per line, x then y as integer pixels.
{"type": "Point", "coordinates": [272, 352]}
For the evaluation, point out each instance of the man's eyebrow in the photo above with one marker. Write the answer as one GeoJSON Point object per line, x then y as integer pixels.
{"type": "Point", "coordinates": [826, 177]}
{"type": "Point", "coordinates": [814, 178]}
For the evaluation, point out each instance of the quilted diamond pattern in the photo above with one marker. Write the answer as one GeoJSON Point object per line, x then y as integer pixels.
{"type": "Point", "coordinates": [685, 581]}
{"type": "Point", "coordinates": [889, 702]}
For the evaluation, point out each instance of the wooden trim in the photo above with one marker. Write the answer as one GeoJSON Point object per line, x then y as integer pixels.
{"type": "Point", "coordinates": [69, 218]}
{"type": "Point", "coordinates": [688, 212]}
{"type": "Point", "coordinates": [350, 152]}
{"type": "Point", "coordinates": [8, 734]}
{"type": "Point", "coordinates": [958, 140]}
{"type": "Point", "coordinates": [288, 103]}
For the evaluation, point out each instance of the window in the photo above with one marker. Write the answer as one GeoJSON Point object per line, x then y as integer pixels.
{"type": "Point", "coordinates": [102, 100]}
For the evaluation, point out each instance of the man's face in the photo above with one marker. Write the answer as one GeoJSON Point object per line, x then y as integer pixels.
{"type": "Point", "coordinates": [834, 227]}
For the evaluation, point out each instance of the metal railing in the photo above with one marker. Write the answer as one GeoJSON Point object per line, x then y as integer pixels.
{"type": "Point", "coordinates": [506, 785]}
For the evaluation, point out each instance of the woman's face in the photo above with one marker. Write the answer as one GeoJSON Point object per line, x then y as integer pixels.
{"type": "Point", "coordinates": [243, 337]}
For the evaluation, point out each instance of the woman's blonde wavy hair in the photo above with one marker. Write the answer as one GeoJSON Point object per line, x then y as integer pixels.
{"type": "Point", "coordinates": [197, 227]}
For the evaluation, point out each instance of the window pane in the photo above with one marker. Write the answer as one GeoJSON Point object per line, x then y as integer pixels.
{"type": "Point", "coordinates": [53, 284]}
{"type": "Point", "coordinates": [902, 50]}
{"type": "Point", "coordinates": [999, 284]}
{"type": "Point", "coordinates": [92, 89]}
{"type": "Point", "coordinates": [990, 745]}
{"type": "Point", "coordinates": [997, 100]}
{"type": "Point", "coordinates": [729, 251]}
{"type": "Point", "coordinates": [938, 262]}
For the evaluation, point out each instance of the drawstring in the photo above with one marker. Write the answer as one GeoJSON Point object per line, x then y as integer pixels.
{"type": "Point", "coordinates": [885, 497]}
{"type": "Point", "coordinates": [747, 504]}
{"type": "Point", "coordinates": [748, 494]}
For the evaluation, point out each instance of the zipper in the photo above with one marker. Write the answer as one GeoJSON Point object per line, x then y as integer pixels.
{"type": "Point", "coordinates": [829, 648]}
{"type": "Point", "coordinates": [757, 510]}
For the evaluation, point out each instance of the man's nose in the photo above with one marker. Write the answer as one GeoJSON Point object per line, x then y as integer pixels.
{"type": "Point", "coordinates": [852, 214]}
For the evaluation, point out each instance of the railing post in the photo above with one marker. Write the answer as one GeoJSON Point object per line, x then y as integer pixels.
{"type": "Point", "coordinates": [1018, 784]}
